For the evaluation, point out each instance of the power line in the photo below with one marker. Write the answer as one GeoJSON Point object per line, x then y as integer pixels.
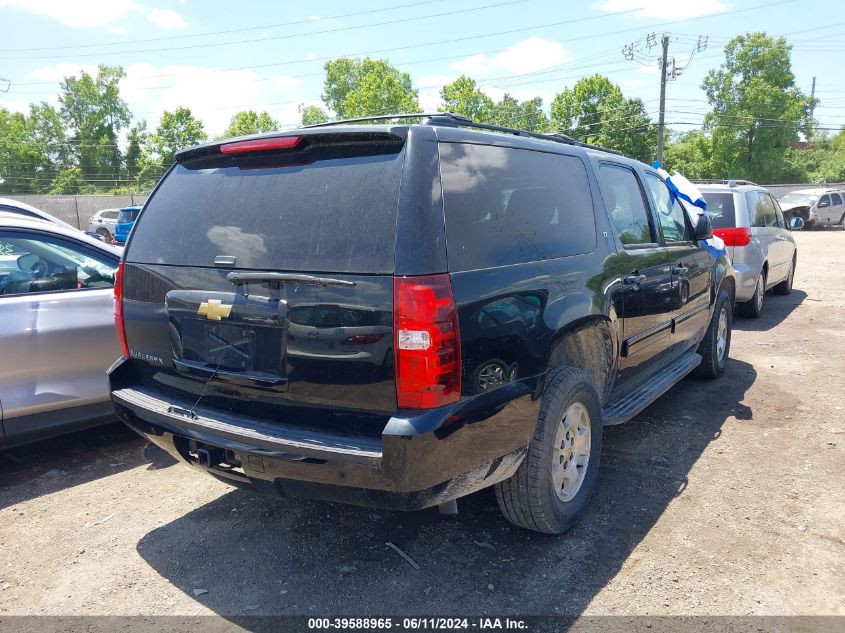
{"type": "Point", "coordinates": [278, 37]}
{"type": "Point", "coordinates": [226, 32]}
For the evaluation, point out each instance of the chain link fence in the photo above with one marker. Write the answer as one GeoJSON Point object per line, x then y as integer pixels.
{"type": "Point", "coordinates": [77, 210]}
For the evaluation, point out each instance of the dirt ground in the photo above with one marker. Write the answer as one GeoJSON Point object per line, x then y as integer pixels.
{"type": "Point", "coordinates": [723, 498]}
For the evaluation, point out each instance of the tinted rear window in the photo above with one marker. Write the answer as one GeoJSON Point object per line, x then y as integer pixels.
{"type": "Point", "coordinates": [720, 209]}
{"type": "Point", "coordinates": [327, 209]}
{"type": "Point", "coordinates": [128, 215]}
{"type": "Point", "coordinates": [509, 206]}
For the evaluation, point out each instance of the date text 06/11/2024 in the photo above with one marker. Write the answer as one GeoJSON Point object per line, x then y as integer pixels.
{"type": "Point", "coordinates": [418, 624]}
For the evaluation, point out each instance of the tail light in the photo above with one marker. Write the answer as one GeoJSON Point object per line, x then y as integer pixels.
{"type": "Point", "coordinates": [363, 339]}
{"type": "Point", "coordinates": [427, 342]}
{"type": "Point", "coordinates": [260, 144]}
{"type": "Point", "coordinates": [739, 236]}
{"type": "Point", "coordinates": [118, 311]}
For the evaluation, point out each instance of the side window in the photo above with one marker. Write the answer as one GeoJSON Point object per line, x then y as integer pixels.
{"type": "Point", "coordinates": [670, 212]}
{"type": "Point", "coordinates": [508, 206]}
{"type": "Point", "coordinates": [778, 212]}
{"type": "Point", "coordinates": [756, 208]}
{"type": "Point", "coordinates": [623, 197]}
{"type": "Point", "coordinates": [769, 210]}
{"type": "Point", "coordinates": [824, 201]}
{"type": "Point", "coordinates": [110, 215]}
{"type": "Point", "coordinates": [836, 200]}
{"type": "Point", "coordinates": [31, 262]}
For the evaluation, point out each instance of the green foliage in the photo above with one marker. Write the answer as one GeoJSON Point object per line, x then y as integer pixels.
{"type": "Point", "coordinates": [32, 149]}
{"type": "Point", "coordinates": [463, 96]}
{"type": "Point", "coordinates": [71, 181]}
{"type": "Point", "coordinates": [367, 87]}
{"type": "Point", "coordinates": [526, 115]}
{"type": "Point", "coordinates": [691, 154]}
{"type": "Point", "coordinates": [95, 114]}
{"type": "Point", "coordinates": [311, 115]}
{"type": "Point", "coordinates": [595, 110]}
{"type": "Point", "coordinates": [250, 122]}
{"type": "Point", "coordinates": [757, 110]}
{"type": "Point", "coordinates": [139, 139]}
{"type": "Point", "coordinates": [176, 130]}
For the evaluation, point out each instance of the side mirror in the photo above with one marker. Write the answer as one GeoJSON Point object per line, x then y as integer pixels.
{"type": "Point", "coordinates": [796, 223]}
{"type": "Point", "coordinates": [703, 228]}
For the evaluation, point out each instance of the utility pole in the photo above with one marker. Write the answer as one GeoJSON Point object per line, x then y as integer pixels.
{"type": "Point", "coordinates": [664, 60]}
{"type": "Point", "coordinates": [812, 108]}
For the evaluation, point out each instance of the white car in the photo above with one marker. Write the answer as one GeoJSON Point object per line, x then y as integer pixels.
{"type": "Point", "coordinates": [103, 222]}
{"type": "Point", "coordinates": [817, 207]}
{"type": "Point", "coordinates": [9, 206]}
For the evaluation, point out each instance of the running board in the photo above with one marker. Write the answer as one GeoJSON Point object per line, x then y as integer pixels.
{"type": "Point", "coordinates": [628, 406]}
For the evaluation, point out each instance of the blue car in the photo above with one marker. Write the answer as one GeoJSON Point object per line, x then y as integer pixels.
{"type": "Point", "coordinates": [125, 221]}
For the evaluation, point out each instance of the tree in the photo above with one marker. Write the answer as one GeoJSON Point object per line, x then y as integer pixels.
{"type": "Point", "coordinates": [138, 139]}
{"type": "Point", "coordinates": [32, 149]}
{"type": "Point", "coordinates": [463, 96]}
{"type": "Point", "coordinates": [250, 122]}
{"type": "Point", "coordinates": [758, 111]}
{"type": "Point", "coordinates": [525, 115]}
{"type": "Point", "coordinates": [311, 115]}
{"type": "Point", "coordinates": [176, 130]}
{"type": "Point", "coordinates": [70, 181]}
{"type": "Point", "coordinates": [95, 114]}
{"type": "Point", "coordinates": [690, 154]}
{"type": "Point", "coordinates": [367, 87]}
{"type": "Point", "coordinates": [594, 110]}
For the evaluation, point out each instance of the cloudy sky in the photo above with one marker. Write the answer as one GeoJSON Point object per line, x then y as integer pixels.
{"type": "Point", "coordinates": [220, 57]}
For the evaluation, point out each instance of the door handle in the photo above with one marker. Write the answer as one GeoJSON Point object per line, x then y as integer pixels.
{"type": "Point", "coordinates": [635, 280]}
{"type": "Point", "coordinates": [680, 270]}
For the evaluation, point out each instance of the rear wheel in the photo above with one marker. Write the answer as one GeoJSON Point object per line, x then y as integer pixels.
{"type": "Point", "coordinates": [842, 222]}
{"type": "Point", "coordinates": [105, 233]}
{"type": "Point", "coordinates": [785, 287]}
{"type": "Point", "coordinates": [551, 488]}
{"type": "Point", "coordinates": [716, 347]}
{"type": "Point", "coordinates": [754, 308]}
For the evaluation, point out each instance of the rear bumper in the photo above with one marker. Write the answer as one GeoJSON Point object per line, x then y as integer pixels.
{"type": "Point", "coordinates": [421, 458]}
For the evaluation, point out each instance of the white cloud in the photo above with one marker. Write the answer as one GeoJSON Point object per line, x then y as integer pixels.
{"type": "Point", "coordinates": [434, 81]}
{"type": "Point", "coordinates": [211, 95]}
{"type": "Point", "coordinates": [165, 18]}
{"type": "Point", "coordinates": [429, 99]}
{"type": "Point", "coordinates": [532, 54]}
{"type": "Point", "coordinates": [669, 9]}
{"type": "Point", "coordinates": [472, 65]}
{"type": "Point", "coordinates": [495, 94]}
{"type": "Point", "coordinates": [118, 30]}
{"type": "Point", "coordinates": [526, 56]}
{"type": "Point", "coordinates": [57, 72]}
{"type": "Point", "coordinates": [94, 13]}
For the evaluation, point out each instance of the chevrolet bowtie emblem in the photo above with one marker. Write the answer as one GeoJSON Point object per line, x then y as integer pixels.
{"type": "Point", "coordinates": [214, 309]}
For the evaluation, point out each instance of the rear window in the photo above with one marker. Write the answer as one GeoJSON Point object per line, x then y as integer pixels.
{"type": "Point", "coordinates": [325, 209]}
{"type": "Point", "coordinates": [128, 215]}
{"type": "Point", "coordinates": [508, 206]}
{"type": "Point", "coordinates": [721, 210]}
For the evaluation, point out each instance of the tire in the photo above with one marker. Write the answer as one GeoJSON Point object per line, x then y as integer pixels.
{"type": "Point", "coordinates": [715, 355]}
{"type": "Point", "coordinates": [753, 309]}
{"type": "Point", "coordinates": [842, 222]}
{"type": "Point", "coordinates": [785, 287]}
{"type": "Point", "coordinates": [106, 235]}
{"type": "Point", "coordinates": [531, 498]}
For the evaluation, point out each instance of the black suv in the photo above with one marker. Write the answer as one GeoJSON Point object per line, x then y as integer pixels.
{"type": "Point", "coordinates": [397, 315]}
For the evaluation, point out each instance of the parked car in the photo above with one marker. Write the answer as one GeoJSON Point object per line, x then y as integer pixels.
{"type": "Point", "coordinates": [125, 221]}
{"type": "Point", "coordinates": [103, 223]}
{"type": "Point", "coordinates": [760, 246]}
{"type": "Point", "coordinates": [8, 205]}
{"type": "Point", "coordinates": [817, 207]}
{"type": "Point", "coordinates": [570, 269]}
{"type": "Point", "coordinates": [57, 332]}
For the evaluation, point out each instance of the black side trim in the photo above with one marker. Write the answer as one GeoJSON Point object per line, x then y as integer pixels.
{"type": "Point", "coordinates": [638, 338]}
{"type": "Point", "coordinates": [41, 426]}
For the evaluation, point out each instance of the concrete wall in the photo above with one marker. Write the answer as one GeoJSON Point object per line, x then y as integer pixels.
{"type": "Point", "coordinates": [778, 191]}
{"type": "Point", "coordinates": [77, 210]}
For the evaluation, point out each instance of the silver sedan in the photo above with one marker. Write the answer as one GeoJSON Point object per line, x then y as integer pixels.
{"type": "Point", "coordinates": [56, 329]}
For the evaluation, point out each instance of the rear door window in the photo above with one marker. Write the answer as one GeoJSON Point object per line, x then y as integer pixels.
{"type": "Point", "coordinates": [508, 206]}
{"type": "Point", "coordinates": [325, 209]}
{"type": "Point", "coordinates": [836, 200]}
{"type": "Point", "coordinates": [625, 200]}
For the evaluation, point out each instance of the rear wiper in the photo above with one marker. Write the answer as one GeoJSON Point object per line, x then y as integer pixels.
{"type": "Point", "coordinates": [277, 279]}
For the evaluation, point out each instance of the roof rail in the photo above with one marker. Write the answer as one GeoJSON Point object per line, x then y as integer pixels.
{"type": "Point", "coordinates": [450, 119]}
{"type": "Point", "coordinates": [732, 182]}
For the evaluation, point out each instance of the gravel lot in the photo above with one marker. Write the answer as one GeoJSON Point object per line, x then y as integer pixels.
{"type": "Point", "coordinates": [723, 498]}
